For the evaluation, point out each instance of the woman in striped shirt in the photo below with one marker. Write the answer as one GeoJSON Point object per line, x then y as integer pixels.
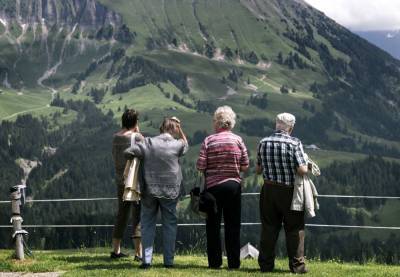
{"type": "Point", "coordinates": [222, 157]}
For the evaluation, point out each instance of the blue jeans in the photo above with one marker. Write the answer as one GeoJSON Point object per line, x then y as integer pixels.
{"type": "Point", "coordinates": [150, 207]}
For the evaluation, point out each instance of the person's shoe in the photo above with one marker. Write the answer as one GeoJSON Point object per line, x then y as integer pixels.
{"type": "Point", "coordinates": [145, 266]}
{"type": "Point", "coordinates": [168, 265]}
{"type": "Point", "coordinates": [300, 270]}
{"type": "Point", "coordinates": [113, 255]}
{"type": "Point", "coordinates": [137, 258]}
{"type": "Point", "coordinates": [266, 269]}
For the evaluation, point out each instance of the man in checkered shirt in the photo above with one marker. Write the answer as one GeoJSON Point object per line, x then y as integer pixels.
{"type": "Point", "coordinates": [279, 158]}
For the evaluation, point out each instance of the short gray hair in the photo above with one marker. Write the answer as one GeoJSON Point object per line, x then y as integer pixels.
{"type": "Point", "coordinates": [225, 118]}
{"type": "Point", "coordinates": [285, 121]}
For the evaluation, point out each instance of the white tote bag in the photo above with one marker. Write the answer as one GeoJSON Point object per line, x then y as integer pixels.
{"type": "Point", "coordinates": [131, 191]}
{"type": "Point", "coordinates": [131, 181]}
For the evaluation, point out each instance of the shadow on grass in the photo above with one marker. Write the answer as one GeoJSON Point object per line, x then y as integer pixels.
{"type": "Point", "coordinates": [103, 262]}
{"type": "Point", "coordinates": [257, 270]}
{"type": "Point", "coordinates": [122, 266]}
{"type": "Point", "coordinates": [88, 259]}
{"type": "Point", "coordinates": [109, 266]}
{"type": "Point", "coordinates": [133, 265]}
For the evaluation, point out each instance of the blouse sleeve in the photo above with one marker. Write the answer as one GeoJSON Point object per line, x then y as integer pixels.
{"type": "Point", "coordinates": [136, 150]}
{"type": "Point", "coordinates": [244, 160]}
{"type": "Point", "coordinates": [202, 160]}
{"type": "Point", "coordinates": [136, 138]}
{"type": "Point", "coordinates": [184, 149]}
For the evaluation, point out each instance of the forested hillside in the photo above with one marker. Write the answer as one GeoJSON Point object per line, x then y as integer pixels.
{"type": "Point", "coordinates": [68, 69]}
{"type": "Point", "coordinates": [73, 171]}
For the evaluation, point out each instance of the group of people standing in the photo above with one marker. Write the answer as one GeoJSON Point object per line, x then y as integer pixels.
{"type": "Point", "coordinates": [222, 158]}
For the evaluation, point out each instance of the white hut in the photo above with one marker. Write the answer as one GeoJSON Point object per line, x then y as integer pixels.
{"type": "Point", "coordinates": [248, 252]}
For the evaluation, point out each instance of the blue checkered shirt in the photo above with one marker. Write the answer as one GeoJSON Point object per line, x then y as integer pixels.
{"type": "Point", "coordinates": [280, 155]}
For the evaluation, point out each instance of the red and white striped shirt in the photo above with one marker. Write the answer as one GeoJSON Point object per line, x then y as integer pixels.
{"type": "Point", "coordinates": [221, 156]}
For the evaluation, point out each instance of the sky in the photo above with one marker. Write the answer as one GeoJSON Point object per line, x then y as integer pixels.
{"type": "Point", "coordinates": [362, 15]}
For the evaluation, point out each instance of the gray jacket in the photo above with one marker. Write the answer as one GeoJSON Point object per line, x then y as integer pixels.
{"type": "Point", "coordinates": [162, 171]}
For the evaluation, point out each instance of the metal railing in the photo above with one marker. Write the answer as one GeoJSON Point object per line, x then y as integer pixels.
{"type": "Point", "coordinates": [203, 224]}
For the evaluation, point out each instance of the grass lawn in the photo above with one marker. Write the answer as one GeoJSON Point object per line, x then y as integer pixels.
{"type": "Point", "coordinates": [96, 262]}
{"type": "Point", "coordinates": [13, 103]}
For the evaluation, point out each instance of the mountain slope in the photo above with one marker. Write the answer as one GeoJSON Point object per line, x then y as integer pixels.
{"type": "Point", "coordinates": [387, 40]}
{"type": "Point", "coordinates": [39, 38]}
{"type": "Point", "coordinates": [231, 51]}
{"type": "Point", "coordinates": [292, 43]}
{"type": "Point", "coordinates": [185, 58]}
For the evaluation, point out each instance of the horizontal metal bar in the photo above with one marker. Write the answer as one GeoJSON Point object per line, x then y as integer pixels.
{"type": "Point", "coordinates": [186, 196]}
{"type": "Point", "coordinates": [203, 224]}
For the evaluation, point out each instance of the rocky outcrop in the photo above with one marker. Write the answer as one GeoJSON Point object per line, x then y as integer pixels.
{"type": "Point", "coordinates": [85, 13]}
{"type": "Point", "coordinates": [49, 32]}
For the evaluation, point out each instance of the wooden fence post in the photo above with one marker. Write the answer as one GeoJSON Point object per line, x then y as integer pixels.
{"type": "Point", "coordinates": [16, 220]}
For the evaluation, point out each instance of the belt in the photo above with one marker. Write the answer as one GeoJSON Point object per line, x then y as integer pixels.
{"type": "Point", "coordinates": [273, 183]}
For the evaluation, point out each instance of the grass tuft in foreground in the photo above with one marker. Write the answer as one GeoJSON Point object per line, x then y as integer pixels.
{"type": "Point", "coordinates": [96, 262]}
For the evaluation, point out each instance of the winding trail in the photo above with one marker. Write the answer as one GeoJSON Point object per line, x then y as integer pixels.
{"type": "Point", "coordinates": [53, 70]}
{"type": "Point", "coordinates": [25, 111]}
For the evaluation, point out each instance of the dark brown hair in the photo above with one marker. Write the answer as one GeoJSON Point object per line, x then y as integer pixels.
{"type": "Point", "coordinates": [129, 118]}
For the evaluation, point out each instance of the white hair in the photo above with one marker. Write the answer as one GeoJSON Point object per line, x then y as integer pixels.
{"type": "Point", "coordinates": [285, 121]}
{"type": "Point", "coordinates": [225, 118]}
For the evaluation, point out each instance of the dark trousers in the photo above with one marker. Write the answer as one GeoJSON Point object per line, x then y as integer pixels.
{"type": "Point", "coordinates": [275, 201]}
{"type": "Point", "coordinates": [126, 210]}
{"type": "Point", "coordinates": [228, 196]}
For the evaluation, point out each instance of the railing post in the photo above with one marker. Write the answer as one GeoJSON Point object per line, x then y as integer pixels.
{"type": "Point", "coordinates": [17, 199]}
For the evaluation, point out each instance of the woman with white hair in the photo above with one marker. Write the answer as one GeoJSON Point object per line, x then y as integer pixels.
{"type": "Point", "coordinates": [223, 156]}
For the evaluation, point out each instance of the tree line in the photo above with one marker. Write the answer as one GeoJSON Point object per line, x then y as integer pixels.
{"type": "Point", "coordinates": [82, 167]}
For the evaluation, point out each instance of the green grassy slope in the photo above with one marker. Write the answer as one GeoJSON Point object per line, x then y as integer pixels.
{"type": "Point", "coordinates": [258, 26]}
{"type": "Point", "coordinates": [13, 103]}
{"type": "Point", "coordinates": [96, 262]}
{"type": "Point", "coordinates": [243, 26]}
{"type": "Point", "coordinates": [175, 35]}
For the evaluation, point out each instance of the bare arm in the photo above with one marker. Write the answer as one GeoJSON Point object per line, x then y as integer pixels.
{"type": "Point", "coordinates": [182, 137]}
{"type": "Point", "coordinates": [181, 134]}
{"type": "Point", "coordinates": [244, 168]}
{"type": "Point", "coordinates": [302, 170]}
{"type": "Point", "coordinates": [259, 169]}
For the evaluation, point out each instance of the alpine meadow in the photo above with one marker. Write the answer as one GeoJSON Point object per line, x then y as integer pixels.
{"type": "Point", "coordinates": [69, 68]}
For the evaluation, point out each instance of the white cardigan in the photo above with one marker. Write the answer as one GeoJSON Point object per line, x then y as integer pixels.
{"type": "Point", "coordinates": [305, 194]}
{"type": "Point", "coordinates": [131, 179]}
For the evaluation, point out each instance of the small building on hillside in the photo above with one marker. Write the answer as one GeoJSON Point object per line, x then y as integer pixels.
{"type": "Point", "coordinates": [312, 147]}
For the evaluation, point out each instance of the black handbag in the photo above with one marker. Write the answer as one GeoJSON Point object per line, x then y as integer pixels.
{"type": "Point", "coordinates": [201, 201]}
{"type": "Point", "coordinates": [195, 195]}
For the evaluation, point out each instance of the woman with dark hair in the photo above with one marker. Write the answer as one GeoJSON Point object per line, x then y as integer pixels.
{"type": "Point", "coordinates": [122, 140]}
{"type": "Point", "coordinates": [223, 156]}
{"type": "Point", "coordinates": [163, 178]}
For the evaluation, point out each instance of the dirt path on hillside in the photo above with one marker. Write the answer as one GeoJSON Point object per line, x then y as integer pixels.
{"type": "Point", "coordinates": [265, 80]}
{"type": "Point", "coordinates": [22, 112]}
